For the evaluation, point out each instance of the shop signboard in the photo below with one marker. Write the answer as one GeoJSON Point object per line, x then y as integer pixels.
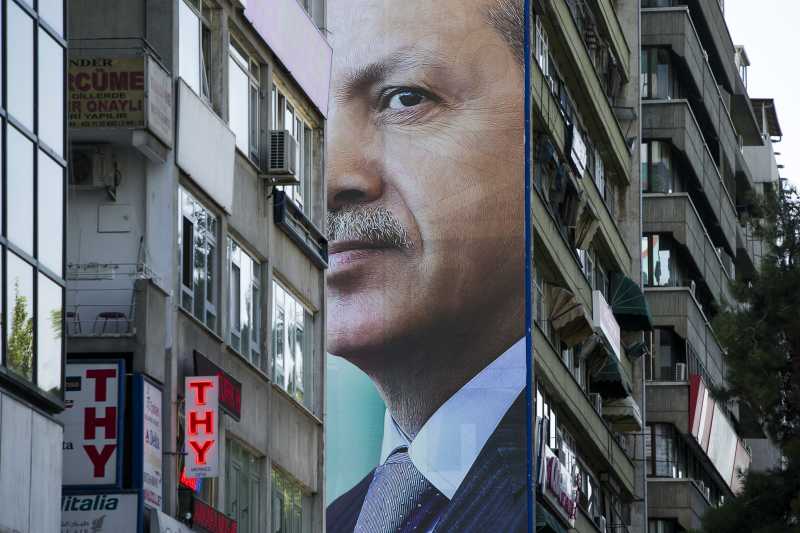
{"type": "Point", "coordinates": [230, 390]}
{"type": "Point", "coordinates": [101, 512]}
{"type": "Point", "coordinates": [202, 426]}
{"type": "Point", "coordinates": [149, 440]}
{"type": "Point", "coordinates": [93, 429]}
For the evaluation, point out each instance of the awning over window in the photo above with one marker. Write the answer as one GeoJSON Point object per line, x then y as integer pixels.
{"type": "Point", "coordinates": [607, 376]}
{"type": "Point", "coordinates": [546, 522]}
{"type": "Point", "coordinates": [623, 414]}
{"type": "Point", "coordinates": [568, 317]}
{"type": "Point", "coordinates": [629, 304]}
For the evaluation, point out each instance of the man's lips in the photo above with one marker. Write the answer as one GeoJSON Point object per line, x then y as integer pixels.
{"type": "Point", "coordinates": [344, 253]}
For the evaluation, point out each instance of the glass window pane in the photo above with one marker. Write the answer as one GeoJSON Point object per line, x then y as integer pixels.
{"type": "Point", "coordinates": [51, 98]}
{"type": "Point", "coordinates": [253, 112]}
{"type": "Point", "coordinates": [52, 11]}
{"type": "Point", "coordinates": [238, 98]}
{"type": "Point", "coordinates": [19, 46]}
{"type": "Point", "coordinates": [50, 336]}
{"type": "Point", "coordinates": [189, 46]}
{"type": "Point", "coordinates": [50, 213]}
{"type": "Point", "coordinates": [19, 153]}
{"type": "Point", "coordinates": [19, 326]}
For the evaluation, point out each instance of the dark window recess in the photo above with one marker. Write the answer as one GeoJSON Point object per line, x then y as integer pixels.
{"type": "Point", "coordinates": [300, 229]}
{"type": "Point", "coordinates": [188, 239]}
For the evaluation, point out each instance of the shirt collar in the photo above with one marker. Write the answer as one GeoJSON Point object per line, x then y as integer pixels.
{"type": "Point", "coordinates": [448, 444]}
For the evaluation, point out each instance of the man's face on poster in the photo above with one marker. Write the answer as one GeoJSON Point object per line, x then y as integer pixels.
{"type": "Point", "coordinates": [425, 174]}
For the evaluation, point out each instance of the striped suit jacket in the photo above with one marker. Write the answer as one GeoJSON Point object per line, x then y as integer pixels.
{"type": "Point", "coordinates": [491, 499]}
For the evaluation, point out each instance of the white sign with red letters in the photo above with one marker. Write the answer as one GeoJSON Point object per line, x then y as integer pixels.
{"type": "Point", "coordinates": [92, 423]}
{"type": "Point", "coordinates": [202, 426]}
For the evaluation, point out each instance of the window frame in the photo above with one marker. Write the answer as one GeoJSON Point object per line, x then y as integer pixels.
{"type": "Point", "coordinates": [247, 62]}
{"type": "Point", "coordinates": [204, 44]}
{"type": "Point", "coordinates": [285, 303]}
{"type": "Point", "coordinates": [254, 354]}
{"type": "Point", "coordinates": [210, 297]}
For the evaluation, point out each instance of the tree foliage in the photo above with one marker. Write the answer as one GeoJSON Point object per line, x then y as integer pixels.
{"type": "Point", "coordinates": [761, 336]}
{"type": "Point", "coordinates": [20, 338]}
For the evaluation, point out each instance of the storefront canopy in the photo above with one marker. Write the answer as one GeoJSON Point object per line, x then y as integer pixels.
{"type": "Point", "coordinates": [629, 304]}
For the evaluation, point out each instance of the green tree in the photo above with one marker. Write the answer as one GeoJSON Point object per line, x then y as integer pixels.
{"type": "Point", "coordinates": [762, 340]}
{"type": "Point", "coordinates": [20, 339]}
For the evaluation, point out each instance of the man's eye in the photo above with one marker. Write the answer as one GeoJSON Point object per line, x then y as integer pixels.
{"type": "Point", "coordinates": [404, 99]}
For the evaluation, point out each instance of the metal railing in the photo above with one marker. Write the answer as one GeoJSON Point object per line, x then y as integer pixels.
{"type": "Point", "coordinates": [101, 298]}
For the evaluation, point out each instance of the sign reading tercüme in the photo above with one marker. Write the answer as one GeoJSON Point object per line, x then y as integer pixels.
{"type": "Point", "coordinates": [92, 423]}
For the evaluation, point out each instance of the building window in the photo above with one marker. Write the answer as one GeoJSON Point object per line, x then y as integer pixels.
{"type": "Point", "coordinates": [244, 303]}
{"type": "Point", "coordinates": [32, 243]}
{"type": "Point", "coordinates": [291, 345]}
{"type": "Point", "coordinates": [658, 174]}
{"type": "Point", "coordinates": [538, 298]}
{"type": "Point", "coordinates": [285, 116]}
{"type": "Point", "coordinates": [243, 488]}
{"type": "Point", "coordinates": [664, 360]}
{"type": "Point", "coordinates": [542, 47]}
{"type": "Point", "coordinates": [197, 243]}
{"type": "Point", "coordinates": [194, 45]}
{"type": "Point", "coordinates": [660, 262]}
{"type": "Point", "coordinates": [662, 526]}
{"type": "Point", "coordinates": [659, 80]}
{"type": "Point", "coordinates": [243, 100]}
{"type": "Point", "coordinates": [291, 505]}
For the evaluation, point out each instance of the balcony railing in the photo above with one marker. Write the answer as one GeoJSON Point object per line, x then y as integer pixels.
{"type": "Point", "coordinates": [101, 300]}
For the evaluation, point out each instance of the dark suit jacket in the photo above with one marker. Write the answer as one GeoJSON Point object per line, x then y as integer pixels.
{"type": "Point", "coordinates": [491, 499]}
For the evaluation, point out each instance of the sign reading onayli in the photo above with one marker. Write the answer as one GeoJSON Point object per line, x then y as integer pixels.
{"type": "Point", "coordinates": [120, 92]}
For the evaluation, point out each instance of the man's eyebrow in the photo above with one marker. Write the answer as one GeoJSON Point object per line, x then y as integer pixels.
{"type": "Point", "coordinates": [360, 78]}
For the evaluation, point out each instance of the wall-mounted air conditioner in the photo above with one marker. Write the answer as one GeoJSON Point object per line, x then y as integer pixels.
{"type": "Point", "coordinates": [92, 167]}
{"type": "Point", "coordinates": [597, 402]}
{"type": "Point", "coordinates": [680, 372]}
{"type": "Point", "coordinates": [282, 164]}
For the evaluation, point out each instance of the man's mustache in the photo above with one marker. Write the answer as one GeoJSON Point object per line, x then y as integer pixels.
{"type": "Point", "coordinates": [371, 224]}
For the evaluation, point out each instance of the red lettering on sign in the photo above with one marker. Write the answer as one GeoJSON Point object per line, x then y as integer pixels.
{"type": "Point", "coordinates": [201, 450]}
{"type": "Point", "coordinates": [196, 420]}
{"type": "Point", "coordinates": [91, 422]}
{"type": "Point", "coordinates": [100, 459]}
{"type": "Point", "coordinates": [101, 376]}
{"type": "Point", "coordinates": [199, 389]}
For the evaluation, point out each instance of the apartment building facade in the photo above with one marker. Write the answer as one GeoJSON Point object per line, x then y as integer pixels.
{"type": "Point", "coordinates": [195, 250]}
{"type": "Point", "coordinates": [700, 136]}
{"type": "Point", "coordinates": [589, 308]}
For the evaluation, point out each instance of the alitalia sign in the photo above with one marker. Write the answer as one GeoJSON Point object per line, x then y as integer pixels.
{"type": "Point", "coordinates": [102, 512]}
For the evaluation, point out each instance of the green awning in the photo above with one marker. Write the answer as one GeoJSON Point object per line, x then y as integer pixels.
{"type": "Point", "coordinates": [611, 380]}
{"type": "Point", "coordinates": [629, 304]}
{"type": "Point", "coordinates": [546, 522]}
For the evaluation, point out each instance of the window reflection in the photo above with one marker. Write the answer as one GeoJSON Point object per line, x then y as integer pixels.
{"type": "Point", "coordinates": [659, 80]}
{"type": "Point", "coordinates": [657, 167]}
{"type": "Point", "coordinates": [19, 50]}
{"type": "Point", "coordinates": [50, 213]}
{"type": "Point", "coordinates": [52, 11]}
{"type": "Point", "coordinates": [19, 154]}
{"type": "Point", "coordinates": [19, 325]}
{"type": "Point", "coordinates": [50, 335]}
{"type": "Point", "coordinates": [51, 83]}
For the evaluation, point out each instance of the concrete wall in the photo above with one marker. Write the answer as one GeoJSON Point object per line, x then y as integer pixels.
{"type": "Point", "coordinates": [30, 469]}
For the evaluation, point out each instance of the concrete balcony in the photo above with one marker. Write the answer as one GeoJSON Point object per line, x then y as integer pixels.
{"type": "Point", "coordinates": [676, 214]}
{"type": "Point", "coordinates": [675, 121]}
{"type": "Point", "coordinates": [678, 499]}
{"type": "Point", "coordinates": [668, 403]}
{"type": "Point", "coordinates": [589, 426]}
{"type": "Point", "coordinates": [547, 112]}
{"type": "Point", "coordinates": [673, 28]}
{"type": "Point", "coordinates": [677, 308]}
{"type": "Point", "coordinates": [297, 42]}
{"type": "Point", "coordinates": [568, 46]}
{"type": "Point", "coordinates": [610, 24]}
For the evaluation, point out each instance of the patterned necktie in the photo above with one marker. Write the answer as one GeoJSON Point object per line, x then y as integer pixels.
{"type": "Point", "coordinates": [399, 499]}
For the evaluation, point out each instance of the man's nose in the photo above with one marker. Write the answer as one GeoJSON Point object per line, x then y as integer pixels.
{"type": "Point", "coordinates": [354, 172]}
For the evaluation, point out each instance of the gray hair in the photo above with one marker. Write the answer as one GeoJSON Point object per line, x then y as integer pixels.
{"type": "Point", "coordinates": [507, 17]}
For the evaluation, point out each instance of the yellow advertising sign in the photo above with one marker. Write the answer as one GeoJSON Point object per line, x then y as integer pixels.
{"type": "Point", "coordinates": [107, 92]}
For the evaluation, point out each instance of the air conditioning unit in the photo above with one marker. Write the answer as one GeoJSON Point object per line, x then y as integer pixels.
{"type": "Point", "coordinates": [282, 165]}
{"type": "Point", "coordinates": [597, 402]}
{"type": "Point", "coordinates": [92, 167]}
{"type": "Point", "coordinates": [680, 372]}
{"type": "Point", "coordinates": [600, 522]}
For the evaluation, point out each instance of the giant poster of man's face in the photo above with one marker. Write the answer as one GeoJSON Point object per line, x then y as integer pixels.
{"type": "Point", "coordinates": [426, 279]}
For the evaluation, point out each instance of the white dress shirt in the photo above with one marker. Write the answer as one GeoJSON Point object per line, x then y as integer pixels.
{"type": "Point", "coordinates": [448, 444]}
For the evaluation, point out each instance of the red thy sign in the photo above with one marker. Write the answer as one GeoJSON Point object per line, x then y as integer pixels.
{"type": "Point", "coordinates": [107, 421]}
{"type": "Point", "coordinates": [202, 426]}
